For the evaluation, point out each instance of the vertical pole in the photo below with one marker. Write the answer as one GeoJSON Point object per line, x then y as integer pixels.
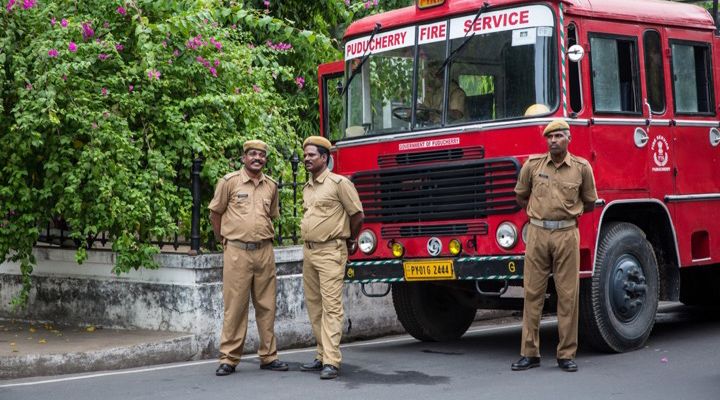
{"type": "Point", "coordinates": [714, 13]}
{"type": "Point", "coordinates": [294, 161]}
{"type": "Point", "coordinates": [195, 222]}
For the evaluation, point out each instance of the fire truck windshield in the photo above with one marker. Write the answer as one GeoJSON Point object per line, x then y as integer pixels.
{"type": "Point", "coordinates": [509, 64]}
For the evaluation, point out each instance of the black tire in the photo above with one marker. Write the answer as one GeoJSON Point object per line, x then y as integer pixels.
{"type": "Point", "coordinates": [430, 312]}
{"type": "Point", "coordinates": [618, 306]}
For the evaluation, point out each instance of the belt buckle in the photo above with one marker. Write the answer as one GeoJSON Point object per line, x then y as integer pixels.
{"type": "Point", "coordinates": [251, 246]}
{"type": "Point", "coordinates": [550, 224]}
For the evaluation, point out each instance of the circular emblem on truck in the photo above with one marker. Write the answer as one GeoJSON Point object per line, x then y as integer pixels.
{"type": "Point", "coordinates": [434, 246]}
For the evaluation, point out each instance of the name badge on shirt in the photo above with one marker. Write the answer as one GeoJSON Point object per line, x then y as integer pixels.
{"type": "Point", "coordinates": [241, 195]}
{"type": "Point", "coordinates": [543, 176]}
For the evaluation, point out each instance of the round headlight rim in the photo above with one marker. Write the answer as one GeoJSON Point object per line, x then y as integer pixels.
{"type": "Point", "coordinates": [514, 235]}
{"type": "Point", "coordinates": [362, 240]}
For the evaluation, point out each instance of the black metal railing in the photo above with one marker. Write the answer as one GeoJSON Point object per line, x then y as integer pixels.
{"type": "Point", "coordinates": [57, 233]}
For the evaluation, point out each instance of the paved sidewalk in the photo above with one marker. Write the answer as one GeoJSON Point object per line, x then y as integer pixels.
{"type": "Point", "coordinates": [33, 349]}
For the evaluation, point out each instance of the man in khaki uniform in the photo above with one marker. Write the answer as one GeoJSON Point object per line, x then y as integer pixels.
{"type": "Point", "coordinates": [330, 225]}
{"type": "Point", "coordinates": [241, 213]}
{"type": "Point", "coordinates": [555, 188]}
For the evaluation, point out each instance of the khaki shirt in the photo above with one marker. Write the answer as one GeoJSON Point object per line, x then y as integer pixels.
{"type": "Point", "coordinates": [556, 193]}
{"type": "Point", "coordinates": [328, 202]}
{"type": "Point", "coordinates": [246, 207]}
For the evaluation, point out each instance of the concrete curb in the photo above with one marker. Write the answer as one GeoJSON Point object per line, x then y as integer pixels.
{"type": "Point", "coordinates": [181, 348]}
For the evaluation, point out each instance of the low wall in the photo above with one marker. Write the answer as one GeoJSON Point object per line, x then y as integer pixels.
{"type": "Point", "coordinates": [183, 295]}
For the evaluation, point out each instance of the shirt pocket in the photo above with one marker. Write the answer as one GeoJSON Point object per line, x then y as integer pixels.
{"type": "Point", "coordinates": [540, 187]}
{"type": "Point", "coordinates": [569, 193]}
{"type": "Point", "coordinates": [240, 202]}
{"type": "Point", "coordinates": [266, 207]}
{"type": "Point", "coordinates": [325, 207]}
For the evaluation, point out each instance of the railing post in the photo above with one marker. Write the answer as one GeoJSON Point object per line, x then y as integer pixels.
{"type": "Point", "coordinates": [195, 221]}
{"type": "Point", "coordinates": [294, 161]}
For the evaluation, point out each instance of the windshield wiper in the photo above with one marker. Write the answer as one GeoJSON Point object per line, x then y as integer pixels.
{"type": "Point", "coordinates": [363, 59]}
{"type": "Point", "coordinates": [453, 55]}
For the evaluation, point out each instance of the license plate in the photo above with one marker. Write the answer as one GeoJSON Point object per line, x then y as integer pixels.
{"type": "Point", "coordinates": [427, 270]}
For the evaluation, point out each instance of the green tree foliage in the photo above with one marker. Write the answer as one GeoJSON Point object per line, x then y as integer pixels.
{"type": "Point", "coordinates": [104, 104]}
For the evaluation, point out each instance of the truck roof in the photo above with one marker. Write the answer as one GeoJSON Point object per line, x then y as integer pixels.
{"type": "Point", "coordinates": [660, 12]}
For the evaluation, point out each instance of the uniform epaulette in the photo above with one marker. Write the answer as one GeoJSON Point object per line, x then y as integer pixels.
{"type": "Point", "coordinates": [579, 160]}
{"type": "Point", "coordinates": [536, 156]}
{"type": "Point", "coordinates": [230, 175]}
{"type": "Point", "coordinates": [271, 180]}
{"type": "Point", "coordinates": [336, 178]}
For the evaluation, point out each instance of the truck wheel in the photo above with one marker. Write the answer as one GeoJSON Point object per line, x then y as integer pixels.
{"type": "Point", "coordinates": [430, 312]}
{"type": "Point", "coordinates": [617, 307]}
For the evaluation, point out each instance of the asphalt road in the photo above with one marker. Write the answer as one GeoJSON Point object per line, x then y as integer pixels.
{"type": "Point", "coordinates": [680, 361]}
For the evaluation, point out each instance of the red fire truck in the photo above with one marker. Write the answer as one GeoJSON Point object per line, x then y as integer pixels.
{"type": "Point", "coordinates": [436, 106]}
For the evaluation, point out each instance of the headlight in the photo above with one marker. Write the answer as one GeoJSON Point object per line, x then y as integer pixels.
{"type": "Point", "coordinates": [524, 232]}
{"type": "Point", "coordinates": [455, 247]}
{"type": "Point", "coordinates": [398, 250]}
{"type": "Point", "coordinates": [367, 242]}
{"type": "Point", "coordinates": [506, 235]}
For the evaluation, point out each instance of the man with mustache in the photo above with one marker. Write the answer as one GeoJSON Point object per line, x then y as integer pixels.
{"type": "Point", "coordinates": [554, 188]}
{"type": "Point", "coordinates": [331, 223]}
{"type": "Point", "coordinates": [241, 213]}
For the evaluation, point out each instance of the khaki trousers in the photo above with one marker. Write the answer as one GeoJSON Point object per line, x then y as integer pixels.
{"type": "Point", "coordinates": [248, 273]}
{"type": "Point", "coordinates": [556, 252]}
{"type": "Point", "coordinates": [323, 272]}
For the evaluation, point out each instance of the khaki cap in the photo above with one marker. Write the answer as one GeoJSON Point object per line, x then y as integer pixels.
{"type": "Point", "coordinates": [556, 125]}
{"type": "Point", "coordinates": [318, 141]}
{"type": "Point", "coordinates": [255, 144]}
{"type": "Point", "coordinates": [537, 109]}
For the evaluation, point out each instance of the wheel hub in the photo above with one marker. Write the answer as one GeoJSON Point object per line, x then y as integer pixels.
{"type": "Point", "coordinates": [628, 288]}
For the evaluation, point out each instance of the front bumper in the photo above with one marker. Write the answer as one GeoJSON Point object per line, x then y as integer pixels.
{"type": "Point", "coordinates": [485, 268]}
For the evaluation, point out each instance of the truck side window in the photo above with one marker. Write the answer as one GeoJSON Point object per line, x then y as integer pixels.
{"type": "Point", "coordinates": [654, 73]}
{"type": "Point", "coordinates": [692, 80]}
{"type": "Point", "coordinates": [614, 62]}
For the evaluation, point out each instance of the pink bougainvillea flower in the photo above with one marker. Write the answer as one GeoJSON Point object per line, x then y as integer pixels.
{"type": "Point", "coordinates": [106, 25]}
{"type": "Point", "coordinates": [300, 82]}
{"type": "Point", "coordinates": [217, 44]}
{"type": "Point", "coordinates": [94, 125]}
{"type": "Point", "coordinates": [213, 71]}
{"type": "Point", "coordinates": [29, 86]}
{"type": "Point", "coordinates": [103, 56]}
{"type": "Point", "coordinates": [63, 23]}
{"type": "Point", "coordinates": [217, 62]}
{"type": "Point", "coordinates": [103, 91]}
{"type": "Point", "coordinates": [164, 43]}
{"type": "Point", "coordinates": [72, 47]}
{"type": "Point", "coordinates": [153, 74]}
{"type": "Point", "coordinates": [256, 88]}
{"type": "Point", "coordinates": [87, 31]}
{"type": "Point", "coordinates": [279, 46]}
{"type": "Point", "coordinates": [119, 47]}
{"type": "Point", "coordinates": [121, 10]}
{"type": "Point", "coordinates": [52, 21]}
{"type": "Point", "coordinates": [131, 88]}
{"type": "Point", "coordinates": [64, 77]}
{"type": "Point", "coordinates": [176, 53]}
{"type": "Point", "coordinates": [52, 53]}
{"type": "Point", "coordinates": [28, 4]}
{"type": "Point", "coordinates": [10, 5]}
{"type": "Point", "coordinates": [267, 3]}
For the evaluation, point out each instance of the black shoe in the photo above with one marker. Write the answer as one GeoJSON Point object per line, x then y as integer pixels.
{"type": "Point", "coordinates": [525, 363]}
{"type": "Point", "coordinates": [224, 369]}
{"type": "Point", "coordinates": [567, 364]}
{"type": "Point", "coordinates": [329, 372]}
{"type": "Point", "coordinates": [315, 365]}
{"type": "Point", "coordinates": [275, 365]}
